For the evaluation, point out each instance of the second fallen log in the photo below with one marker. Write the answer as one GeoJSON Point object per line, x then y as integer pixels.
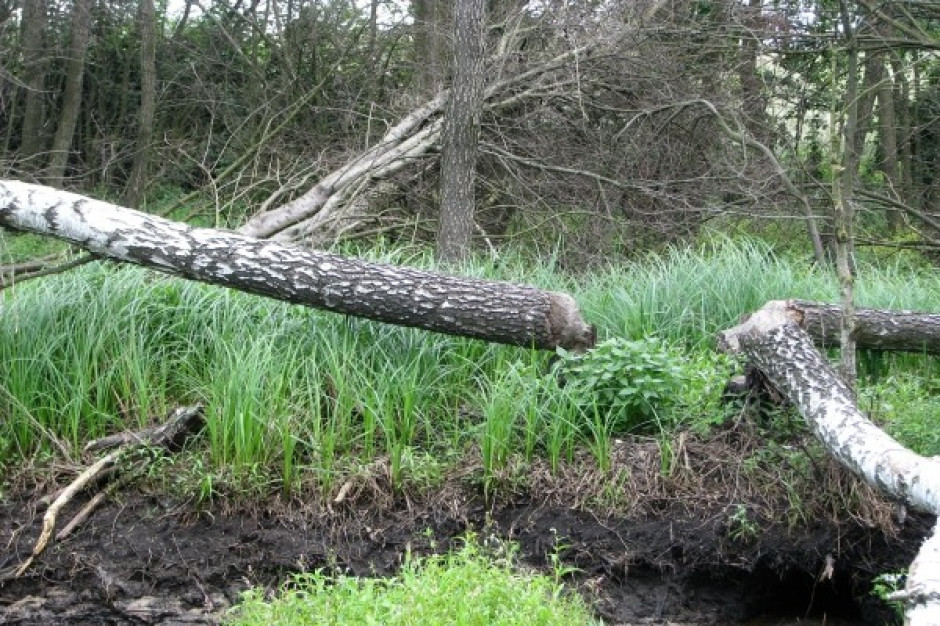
{"type": "Point", "coordinates": [875, 329]}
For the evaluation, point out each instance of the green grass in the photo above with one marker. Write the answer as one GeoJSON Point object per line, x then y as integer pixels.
{"type": "Point", "coordinates": [907, 405]}
{"type": "Point", "coordinates": [293, 394]}
{"type": "Point", "coordinates": [688, 295]}
{"type": "Point", "coordinates": [19, 247]}
{"type": "Point", "coordinates": [466, 587]}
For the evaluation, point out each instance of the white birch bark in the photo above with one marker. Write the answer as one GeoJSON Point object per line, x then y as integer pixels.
{"type": "Point", "coordinates": [489, 310]}
{"type": "Point", "coordinates": [774, 342]}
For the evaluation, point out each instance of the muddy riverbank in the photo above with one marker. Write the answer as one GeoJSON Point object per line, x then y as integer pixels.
{"type": "Point", "coordinates": [148, 559]}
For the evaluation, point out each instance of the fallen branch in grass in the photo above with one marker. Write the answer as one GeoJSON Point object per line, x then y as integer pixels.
{"type": "Point", "coordinates": [98, 498]}
{"type": "Point", "coordinates": [19, 275]}
{"type": "Point", "coordinates": [52, 513]}
{"type": "Point", "coordinates": [25, 267]}
{"type": "Point", "coordinates": [182, 422]}
{"type": "Point", "coordinates": [774, 341]}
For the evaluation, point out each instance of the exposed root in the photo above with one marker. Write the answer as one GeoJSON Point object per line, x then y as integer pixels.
{"type": "Point", "coordinates": [92, 504]}
{"type": "Point", "coordinates": [49, 519]}
{"type": "Point", "coordinates": [181, 422]}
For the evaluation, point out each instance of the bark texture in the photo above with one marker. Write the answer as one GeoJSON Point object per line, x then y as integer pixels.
{"type": "Point", "coordinates": [72, 98]}
{"type": "Point", "coordinates": [137, 183]}
{"type": "Point", "coordinates": [923, 584]}
{"type": "Point", "coordinates": [905, 331]}
{"type": "Point", "coordinates": [462, 133]}
{"type": "Point", "coordinates": [34, 76]}
{"type": "Point", "coordinates": [773, 341]}
{"type": "Point", "coordinates": [489, 310]}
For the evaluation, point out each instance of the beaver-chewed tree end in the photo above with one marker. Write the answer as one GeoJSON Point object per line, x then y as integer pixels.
{"type": "Point", "coordinates": [566, 325]}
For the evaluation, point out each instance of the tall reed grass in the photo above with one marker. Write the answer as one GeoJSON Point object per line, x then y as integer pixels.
{"type": "Point", "coordinates": [303, 392]}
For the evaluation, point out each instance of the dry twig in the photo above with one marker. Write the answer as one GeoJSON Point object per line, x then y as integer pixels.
{"type": "Point", "coordinates": [181, 422]}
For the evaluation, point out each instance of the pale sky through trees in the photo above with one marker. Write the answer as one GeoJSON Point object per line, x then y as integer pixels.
{"type": "Point", "coordinates": [386, 15]}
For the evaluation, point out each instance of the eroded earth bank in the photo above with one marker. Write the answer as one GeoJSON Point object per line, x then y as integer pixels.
{"type": "Point", "coordinates": [715, 531]}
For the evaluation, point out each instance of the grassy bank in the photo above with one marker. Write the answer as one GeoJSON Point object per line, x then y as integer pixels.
{"type": "Point", "coordinates": [295, 395]}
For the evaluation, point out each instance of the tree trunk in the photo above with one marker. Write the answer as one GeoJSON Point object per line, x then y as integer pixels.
{"type": "Point", "coordinates": [373, 35]}
{"type": "Point", "coordinates": [488, 310]}
{"type": "Point", "coordinates": [137, 184]}
{"type": "Point", "coordinates": [187, 7]}
{"type": "Point", "coordinates": [920, 594]}
{"type": "Point", "coordinates": [844, 166]}
{"type": "Point", "coordinates": [905, 331]}
{"type": "Point", "coordinates": [11, 114]}
{"type": "Point", "coordinates": [753, 101]}
{"type": "Point", "coordinates": [430, 48]}
{"type": "Point", "coordinates": [773, 341]}
{"type": "Point", "coordinates": [910, 192]}
{"type": "Point", "coordinates": [866, 91]}
{"type": "Point", "coordinates": [921, 164]}
{"type": "Point", "coordinates": [34, 76]}
{"type": "Point", "coordinates": [72, 98]}
{"type": "Point", "coordinates": [462, 133]}
{"type": "Point", "coordinates": [887, 138]}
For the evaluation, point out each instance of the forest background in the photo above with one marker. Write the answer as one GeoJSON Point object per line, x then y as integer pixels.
{"type": "Point", "coordinates": [612, 128]}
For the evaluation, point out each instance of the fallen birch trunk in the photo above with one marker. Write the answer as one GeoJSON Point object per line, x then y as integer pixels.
{"type": "Point", "coordinates": [874, 329]}
{"type": "Point", "coordinates": [493, 311]}
{"type": "Point", "coordinates": [773, 341]}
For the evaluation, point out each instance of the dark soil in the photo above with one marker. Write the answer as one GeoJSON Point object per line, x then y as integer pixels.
{"type": "Point", "coordinates": [147, 559]}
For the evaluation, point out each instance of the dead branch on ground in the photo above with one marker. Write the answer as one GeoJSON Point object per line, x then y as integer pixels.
{"type": "Point", "coordinates": [181, 423]}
